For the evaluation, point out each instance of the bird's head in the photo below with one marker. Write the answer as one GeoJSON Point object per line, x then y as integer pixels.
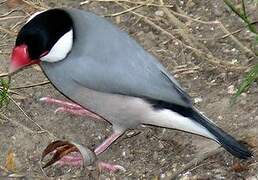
{"type": "Point", "coordinates": [47, 36]}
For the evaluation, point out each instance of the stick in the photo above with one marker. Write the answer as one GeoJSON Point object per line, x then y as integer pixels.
{"type": "Point", "coordinates": [30, 119]}
{"type": "Point", "coordinates": [32, 85]}
{"type": "Point", "coordinates": [195, 162]}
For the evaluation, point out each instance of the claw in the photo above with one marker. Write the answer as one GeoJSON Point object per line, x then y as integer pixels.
{"type": "Point", "coordinates": [111, 167]}
{"type": "Point", "coordinates": [60, 109]}
{"type": "Point", "coordinates": [75, 160]}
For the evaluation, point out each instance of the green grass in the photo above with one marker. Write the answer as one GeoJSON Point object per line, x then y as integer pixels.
{"type": "Point", "coordinates": [252, 75]}
{"type": "Point", "coordinates": [4, 92]}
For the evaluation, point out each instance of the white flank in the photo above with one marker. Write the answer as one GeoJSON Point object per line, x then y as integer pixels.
{"type": "Point", "coordinates": [61, 48]}
{"type": "Point", "coordinates": [170, 119]}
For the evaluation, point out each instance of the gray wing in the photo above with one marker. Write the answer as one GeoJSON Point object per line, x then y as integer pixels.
{"type": "Point", "coordinates": [110, 61]}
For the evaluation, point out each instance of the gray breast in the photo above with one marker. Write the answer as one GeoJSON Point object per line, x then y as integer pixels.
{"type": "Point", "coordinates": [121, 111]}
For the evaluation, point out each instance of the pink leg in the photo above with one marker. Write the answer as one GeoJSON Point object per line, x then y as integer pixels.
{"type": "Point", "coordinates": [75, 158]}
{"type": "Point", "coordinates": [70, 108]}
{"type": "Point", "coordinates": [103, 146]}
{"type": "Point", "coordinates": [69, 105]}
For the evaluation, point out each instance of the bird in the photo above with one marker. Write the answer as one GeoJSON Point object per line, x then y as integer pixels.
{"type": "Point", "coordinates": [104, 71]}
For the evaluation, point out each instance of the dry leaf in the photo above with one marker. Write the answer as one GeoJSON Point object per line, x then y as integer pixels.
{"type": "Point", "coordinates": [63, 148]}
{"type": "Point", "coordinates": [250, 140]}
{"type": "Point", "coordinates": [12, 4]}
{"type": "Point", "coordinates": [9, 163]}
{"type": "Point", "coordinates": [238, 167]}
{"type": "Point", "coordinates": [37, 68]}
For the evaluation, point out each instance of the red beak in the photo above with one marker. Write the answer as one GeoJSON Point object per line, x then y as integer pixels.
{"type": "Point", "coordinates": [20, 58]}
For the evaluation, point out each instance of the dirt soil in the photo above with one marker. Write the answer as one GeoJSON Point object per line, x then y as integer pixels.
{"type": "Point", "coordinates": [151, 152]}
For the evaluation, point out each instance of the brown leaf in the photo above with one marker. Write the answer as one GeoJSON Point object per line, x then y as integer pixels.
{"type": "Point", "coordinates": [63, 148]}
{"type": "Point", "coordinates": [37, 68]}
{"type": "Point", "coordinates": [251, 140]}
{"type": "Point", "coordinates": [10, 163]}
{"type": "Point", "coordinates": [238, 167]}
{"type": "Point", "coordinates": [13, 3]}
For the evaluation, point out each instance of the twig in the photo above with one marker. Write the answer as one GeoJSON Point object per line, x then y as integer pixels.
{"type": "Point", "coordinates": [4, 75]}
{"type": "Point", "coordinates": [17, 123]}
{"type": "Point", "coordinates": [126, 1]}
{"type": "Point", "coordinates": [180, 70]}
{"type": "Point", "coordinates": [34, 5]}
{"type": "Point", "coordinates": [240, 45]}
{"type": "Point", "coordinates": [195, 162]}
{"type": "Point", "coordinates": [192, 19]}
{"type": "Point", "coordinates": [32, 85]}
{"type": "Point", "coordinates": [125, 11]}
{"type": "Point", "coordinates": [231, 33]}
{"type": "Point", "coordinates": [208, 57]}
{"type": "Point", "coordinates": [40, 127]}
{"type": "Point", "coordinates": [10, 12]}
{"type": "Point", "coordinates": [216, 22]}
{"type": "Point", "coordinates": [10, 17]}
{"type": "Point", "coordinates": [7, 31]}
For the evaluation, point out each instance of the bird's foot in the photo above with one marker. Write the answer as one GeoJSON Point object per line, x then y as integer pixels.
{"type": "Point", "coordinates": [110, 167]}
{"type": "Point", "coordinates": [104, 145]}
{"type": "Point", "coordinates": [75, 160]}
{"type": "Point", "coordinates": [69, 107]}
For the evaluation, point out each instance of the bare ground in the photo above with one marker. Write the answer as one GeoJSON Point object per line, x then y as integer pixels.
{"type": "Point", "coordinates": [208, 65]}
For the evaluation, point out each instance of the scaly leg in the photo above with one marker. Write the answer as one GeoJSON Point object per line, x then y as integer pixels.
{"type": "Point", "coordinates": [75, 159]}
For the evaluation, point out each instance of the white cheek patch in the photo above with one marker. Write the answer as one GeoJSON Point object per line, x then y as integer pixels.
{"type": "Point", "coordinates": [34, 15]}
{"type": "Point", "coordinates": [61, 48]}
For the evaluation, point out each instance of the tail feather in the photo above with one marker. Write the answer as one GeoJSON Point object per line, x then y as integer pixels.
{"type": "Point", "coordinates": [189, 119]}
{"type": "Point", "coordinates": [227, 141]}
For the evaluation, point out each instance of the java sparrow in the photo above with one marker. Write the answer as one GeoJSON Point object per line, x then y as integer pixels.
{"type": "Point", "coordinates": [101, 68]}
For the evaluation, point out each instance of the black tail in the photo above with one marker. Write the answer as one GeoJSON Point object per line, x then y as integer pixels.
{"type": "Point", "coordinates": [226, 140]}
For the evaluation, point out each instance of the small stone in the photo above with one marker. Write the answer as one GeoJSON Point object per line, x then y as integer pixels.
{"type": "Point", "coordinates": [198, 100]}
{"type": "Point", "coordinates": [233, 61]}
{"type": "Point", "coordinates": [124, 153]}
{"type": "Point", "coordinates": [251, 178]}
{"type": "Point", "coordinates": [231, 89]}
{"type": "Point", "coordinates": [162, 176]}
{"type": "Point", "coordinates": [159, 13]}
{"type": "Point", "coordinates": [220, 117]}
{"type": "Point", "coordinates": [185, 177]}
{"type": "Point", "coordinates": [256, 118]}
{"type": "Point", "coordinates": [243, 94]}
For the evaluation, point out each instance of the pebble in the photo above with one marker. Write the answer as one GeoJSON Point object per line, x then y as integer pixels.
{"type": "Point", "coordinates": [220, 117]}
{"type": "Point", "coordinates": [233, 61]}
{"type": "Point", "coordinates": [243, 94]}
{"type": "Point", "coordinates": [251, 178]}
{"type": "Point", "coordinates": [231, 89]}
{"type": "Point", "coordinates": [159, 13]}
{"type": "Point", "coordinates": [198, 100]}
